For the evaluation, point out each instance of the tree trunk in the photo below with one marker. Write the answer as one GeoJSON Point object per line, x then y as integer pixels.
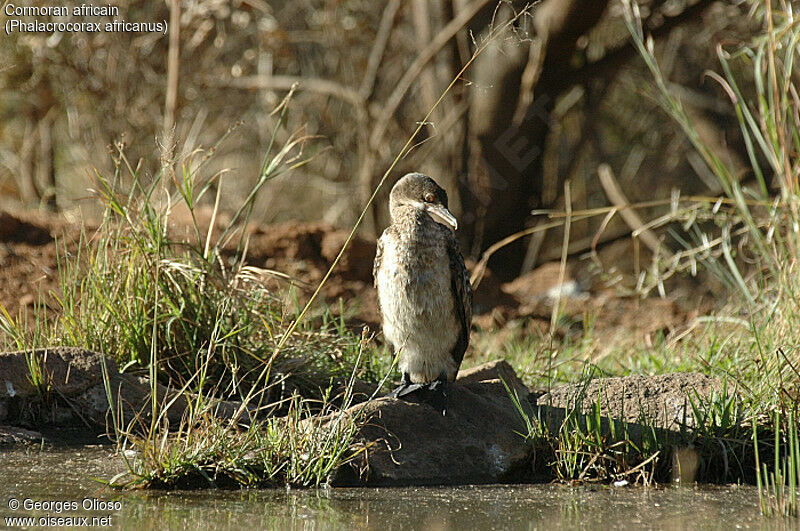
{"type": "Point", "coordinates": [516, 87]}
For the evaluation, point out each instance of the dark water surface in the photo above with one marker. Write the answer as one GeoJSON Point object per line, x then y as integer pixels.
{"type": "Point", "coordinates": [65, 476]}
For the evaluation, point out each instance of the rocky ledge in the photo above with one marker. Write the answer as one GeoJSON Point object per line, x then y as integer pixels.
{"type": "Point", "coordinates": [483, 436]}
{"type": "Point", "coordinates": [481, 439]}
{"type": "Point", "coordinates": [65, 386]}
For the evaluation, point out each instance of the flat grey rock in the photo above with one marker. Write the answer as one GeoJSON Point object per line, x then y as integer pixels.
{"type": "Point", "coordinates": [73, 392]}
{"type": "Point", "coordinates": [479, 440]}
{"type": "Point", "coordinates": [68, 370]}
{"type": "Point", "coordinates": [662, 401]}
{"type": "Point", "coordinates": [11, 436]}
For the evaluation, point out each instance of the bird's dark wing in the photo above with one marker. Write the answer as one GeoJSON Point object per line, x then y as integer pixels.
{"type": "Point", "coordinates": [462, 295]}
{"type": "Point", "coordinates": [377, 265]}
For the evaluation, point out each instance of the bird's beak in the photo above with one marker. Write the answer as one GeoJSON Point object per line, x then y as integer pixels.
{"type": "Point", "coordinates": [441, 215]}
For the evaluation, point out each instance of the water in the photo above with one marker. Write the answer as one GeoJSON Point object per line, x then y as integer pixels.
{"type": "Point", "coordinates": [65, 475]}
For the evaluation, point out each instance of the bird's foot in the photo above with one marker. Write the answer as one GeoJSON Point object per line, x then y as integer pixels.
{"type": "Point", "coordinates": [406, 389]}
{"type": "Point", "coordinates": [437, 394]}
{"type": "Point", "coordinates": [432, 393]}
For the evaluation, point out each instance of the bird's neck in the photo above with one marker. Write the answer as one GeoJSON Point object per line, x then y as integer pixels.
{"type": "Point", "coordinates": [413, 223]}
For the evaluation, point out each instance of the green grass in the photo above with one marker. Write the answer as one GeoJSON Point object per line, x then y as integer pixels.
{"type": "Point", "coordinates": [577, 442]}
{"type": "Point", "coordinates": [301, 449]}
{"type": "Point", "coordinates": [778, 486]}
{"type": "Point", "coordinates": [187, 308]}
{"type": "Point", "coordinates": [190, 312]}
{"type": "Point", "coordinates": [748, 239]}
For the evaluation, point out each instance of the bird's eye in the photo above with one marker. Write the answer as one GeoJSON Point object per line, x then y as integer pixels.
{"type": "Point", "coordinates": [429, 197]}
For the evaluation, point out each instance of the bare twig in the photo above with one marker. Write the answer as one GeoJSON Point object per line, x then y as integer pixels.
{"type": "Point", "coordinates": [601, 237]}
{"type": "Point", "coordinates": [530, 76]}
{"type": "Point", "coordinates": [618, 199]}
{"type": "Point", "coordinates": [422, 27]}
{"type": "Point", "coordinates": [480, 267]}
{"type": "Point", "coordinates": [600, 211]}
{"type": "Point", "coordinates": [46, 168]}
{"type": "Point", "coordinates": [319, 86]}
{"type": "Point", "coordinates": [562, 271]}
{"type": "Point", "coordinates": [378, 49]}
{"type": "Point", "coordinates": [416, 68]}
{"type": "Point", "coordinates": [173, 69]}
{"type": "Point", "coordinates": [533, 250]}
{"type": "Point", "coordinates": [24, 171]}
{"type": "Point", "coordinates": [578, 245]}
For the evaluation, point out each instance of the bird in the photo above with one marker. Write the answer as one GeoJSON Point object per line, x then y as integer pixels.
{"type": "Point", "coordinates": [424, 292]}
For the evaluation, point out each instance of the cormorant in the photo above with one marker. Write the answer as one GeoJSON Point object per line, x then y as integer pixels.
{"type": "Point", "coordinates": [424, 292]}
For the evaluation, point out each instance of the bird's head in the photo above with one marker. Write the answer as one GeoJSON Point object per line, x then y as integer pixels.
{"type": "Point", "coordinates": [419, 192]}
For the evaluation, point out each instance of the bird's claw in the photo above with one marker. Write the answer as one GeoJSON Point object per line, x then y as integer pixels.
{"type": "Point", "coordinates": [433, 393]}
{"type": "Point", "coordinates": [406, 389]}
{"type": "Point", "coordinates": [438, 395]}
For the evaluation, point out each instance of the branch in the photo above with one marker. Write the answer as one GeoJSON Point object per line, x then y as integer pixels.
{"type": "Point", "coordinates": [416, 68]}
{"type": "Point", "coordinates": [173, 71]}
{"type": "Point", "coordinates": [319, 86]}
{"type": "Point", "coordinates": [422, 28]}
{"type": "Point", "coordinates": [618, 199]}
{"type": "Point", "coordinates": [378, 49]}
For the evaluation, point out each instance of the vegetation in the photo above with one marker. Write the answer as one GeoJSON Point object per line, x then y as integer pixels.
{"type": "Point", "coordinates": [367, 73]}
{"type": "Point", "coordinates": [187, 309]}
{"type": "Point", "coordinates": [751, 246]}
{"type": "Point", "coordinates": [207, 452]}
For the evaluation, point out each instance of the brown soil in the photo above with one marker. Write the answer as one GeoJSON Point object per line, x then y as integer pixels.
{"type": "Point", "coordinates": [305, 251]}
{"type": "Point", "coordinates": [28, 258]}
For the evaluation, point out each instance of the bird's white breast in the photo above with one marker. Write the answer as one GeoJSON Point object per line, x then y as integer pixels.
{"type": "Point", "coordinates": [414, 287]}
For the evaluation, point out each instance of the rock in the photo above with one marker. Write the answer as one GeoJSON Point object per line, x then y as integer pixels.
{"type": "Point", "coordinates": [73, 391]}
{"type": "Point", "coordinates": [361, 391]}
{"type": "Point", "coordinates": [407, 443]}
{"type": "Point", "coordinates": [542, 282]}
{"type": "Point", "coordinates": [65, 369]}
{"type": "Point", "coordinates": [640, 408]}
{"type": "Point", "coordinates": [131, 395]}
{"type": "Point", "coordinates": [663, 401]}
{"type": "Point", "coordinates": [10, 436]}
{"type": "Point", "coordinates": [493, 370]}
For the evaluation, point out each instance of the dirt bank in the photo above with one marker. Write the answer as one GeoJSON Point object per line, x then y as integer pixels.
{"type": "Point", "coordinates": [31, 244]}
